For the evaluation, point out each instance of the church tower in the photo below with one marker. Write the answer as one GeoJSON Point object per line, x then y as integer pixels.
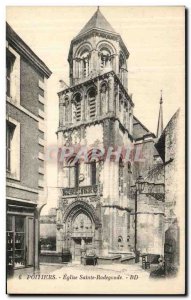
{"type": "Point", "coordinates": [95, 112]}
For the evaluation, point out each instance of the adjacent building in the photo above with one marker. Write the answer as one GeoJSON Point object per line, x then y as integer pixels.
{"type": "Point", "coordinates": [26, 104]}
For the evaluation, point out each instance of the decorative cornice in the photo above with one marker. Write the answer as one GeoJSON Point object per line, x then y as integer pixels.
{"type": "Point", "coordinates": [94, 122]}
{"type": "Point", "coordinates": [32, 203]}
{"type": "Point", "coordinates": [98, 77]}
{"type": "Point", "coordinates": [98, 32]}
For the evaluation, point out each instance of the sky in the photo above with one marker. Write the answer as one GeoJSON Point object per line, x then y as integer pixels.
{"type": "Point", "coordinates": [154, 36]}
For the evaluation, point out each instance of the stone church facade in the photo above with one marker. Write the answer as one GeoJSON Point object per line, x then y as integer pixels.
{"type": "Point", "coordinates": [99, 206]}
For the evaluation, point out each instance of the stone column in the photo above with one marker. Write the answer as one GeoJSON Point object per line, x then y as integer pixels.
{"type": "Point", "coordinates": [110, 225]}
{"type": "Point", "coordinates": [83, 103]}
{"type": "Point", "coordinates": [85, 107]}
{"type": "Point", "coordinates": [111, 93]}
{"type": "Point", "coordinates": [37, 236]}
{"type": "Point", "coordinates": [98, 102]}
{"type": "Point", "coordinates": [115, 229]}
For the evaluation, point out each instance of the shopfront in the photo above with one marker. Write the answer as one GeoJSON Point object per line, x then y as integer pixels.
{"type": "Point", "coordinates": [20, 237]}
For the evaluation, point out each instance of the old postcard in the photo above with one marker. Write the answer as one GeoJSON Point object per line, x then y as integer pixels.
{"type": "Point", "coordinates": [95, 150]}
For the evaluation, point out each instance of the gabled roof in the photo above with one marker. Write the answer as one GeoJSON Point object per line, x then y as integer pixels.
{"type": "Point", "coordinates": [97, 21]}
{"type": "Point", "coordinates": [170, 127]}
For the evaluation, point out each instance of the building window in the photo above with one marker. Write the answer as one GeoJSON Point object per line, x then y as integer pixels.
{"type": "Point", "coordinates": [92, 102]}
{"type": "Point", "coordinates": [9, 68]}
{"type": "Point", "coordinates": [93, 172]}
{"type": "Point", "coordinates": [13, 148]}
{"type": "Point", "coordinates": [10, 128]}
{"type": "Point", "coordinates": [13, 74]}
{"type": "Point", "coordinates": [10, 59]}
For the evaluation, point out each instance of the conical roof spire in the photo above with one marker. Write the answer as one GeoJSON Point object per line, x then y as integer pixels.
{"type": "Point", "coordinates": [160, 119]}
{"type": "Point", "coordinates": [97, 21]}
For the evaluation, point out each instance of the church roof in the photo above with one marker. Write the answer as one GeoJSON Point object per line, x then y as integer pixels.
{"type": "Point", "coordinates": [97, 21]}
{"type": "Point", "coordinates": [139, 130]}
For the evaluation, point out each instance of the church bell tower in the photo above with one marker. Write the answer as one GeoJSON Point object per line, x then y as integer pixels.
{"type": "Point", "coordinates": [95, 111]}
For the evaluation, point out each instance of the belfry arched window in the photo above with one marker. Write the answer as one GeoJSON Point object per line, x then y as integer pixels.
{"type": "Point", "coordinates": [77, 107]}
{"type": "Point", "coordinates": [85, 64]}
{"type": "Point", "coordinates": [92, 102]}
{"type": "Point", "coordinates": [106, 59]}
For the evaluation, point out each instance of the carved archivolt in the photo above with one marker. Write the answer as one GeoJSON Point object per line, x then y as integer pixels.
{"type": "Point", "coordinates": [107, 45]}
{"type": "Point", "coordinates": [83, 47]}
{"type": "Point", "coordinates": [81, 206]}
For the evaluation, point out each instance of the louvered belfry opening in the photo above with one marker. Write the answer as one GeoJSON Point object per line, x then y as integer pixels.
{"type": "Point", "coordinates": [77, 101]}
{"type": "Point", "coordinates": [92, 102]}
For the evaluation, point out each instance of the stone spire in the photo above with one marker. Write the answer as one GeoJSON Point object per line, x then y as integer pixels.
{"type": "Point", "coordinates": [97, 21]}
{"type": "Point", "coordinates": [160, 119]}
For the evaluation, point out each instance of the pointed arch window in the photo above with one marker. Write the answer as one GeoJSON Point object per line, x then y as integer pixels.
{"type": "Point", "coordinates": [71, 173]}
{"type": "Point", "coordinates": [92, 102]}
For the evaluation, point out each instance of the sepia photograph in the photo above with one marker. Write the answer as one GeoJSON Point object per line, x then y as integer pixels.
{"type": "Point", "coordinates": [95, 150]}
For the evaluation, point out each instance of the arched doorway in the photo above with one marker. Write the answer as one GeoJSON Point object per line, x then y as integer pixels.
{"type": "Point", "coordinates": [81, 227]}
{"type": "Point", "coordinates": [82, 234]}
